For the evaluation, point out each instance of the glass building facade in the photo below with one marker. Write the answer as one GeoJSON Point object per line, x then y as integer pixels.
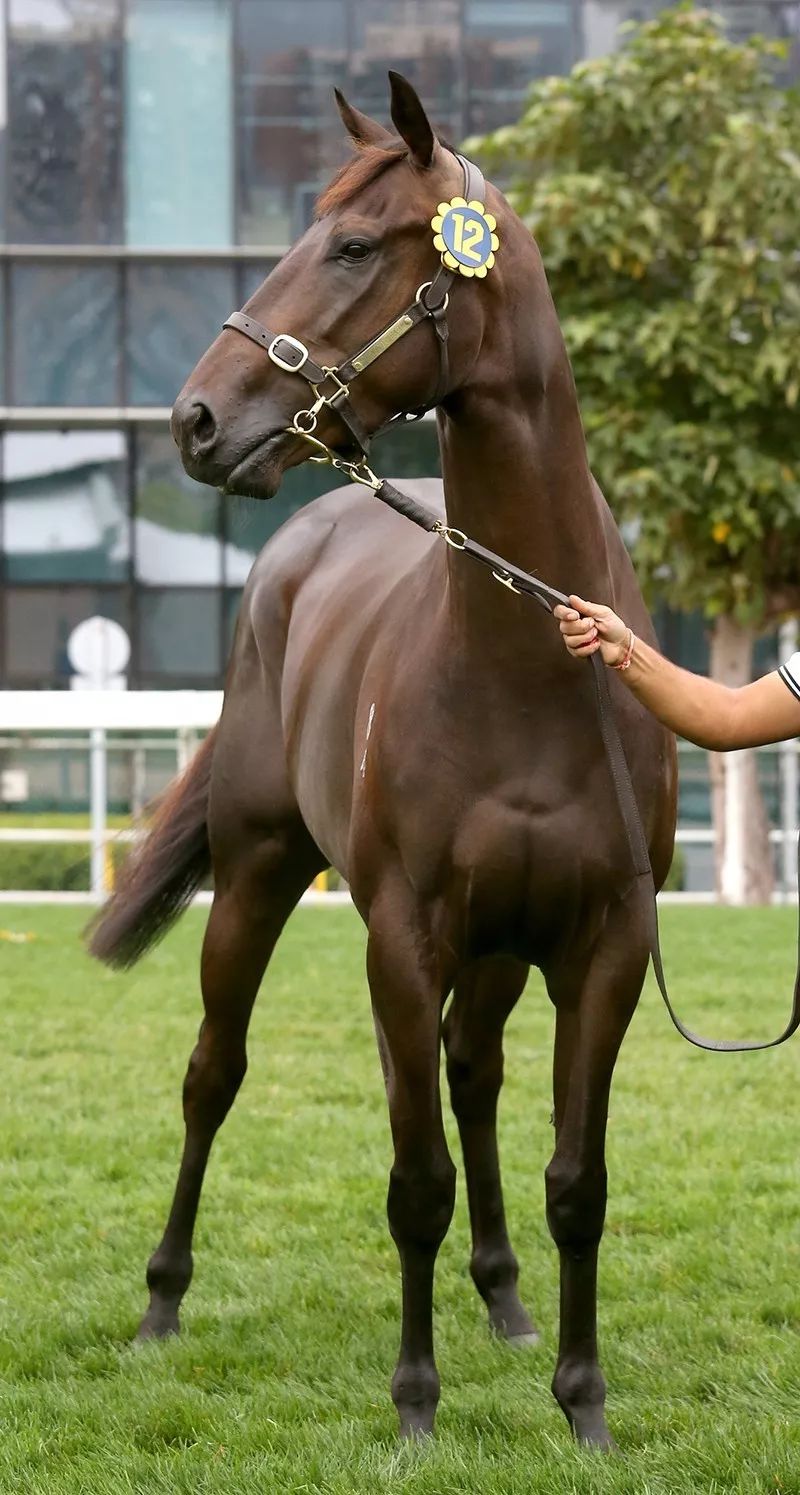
{"type": "Point", "coordinates": [156, 158]}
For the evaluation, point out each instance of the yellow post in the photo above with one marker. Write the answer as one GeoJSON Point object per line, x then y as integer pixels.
{"type": "Point", "coordinates": [108, 868]}
{"type": "Point", "coordinates": [320, 883]}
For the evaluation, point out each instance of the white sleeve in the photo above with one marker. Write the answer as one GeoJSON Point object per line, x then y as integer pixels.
{"type": "Point", "coordinates": [790, 674]}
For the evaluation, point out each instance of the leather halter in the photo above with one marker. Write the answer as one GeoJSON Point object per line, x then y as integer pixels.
{"type": "Point", "coordinates": [331, 385]}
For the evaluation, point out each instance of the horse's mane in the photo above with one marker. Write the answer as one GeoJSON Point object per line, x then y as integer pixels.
{"type": "Point", "coordinates": [369, 163]}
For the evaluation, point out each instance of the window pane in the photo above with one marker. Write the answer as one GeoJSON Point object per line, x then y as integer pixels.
{"type": "Point", "coordinates": [249, 522]}
{"type": "Point", "coordinates": [174, 312]}
{"type": "Point", "coordinates": [233, 601]}
{"type": "Point", "coordinates": [178, 122]}
{"type": "Point", "coordinates": [179, 635]}
{"type": "Point", "coordinates": [508, 43]}
{"type": "Point", "coordinates": [420, 39]}
{"type": "Point", "coordinates": [408, 451]}
{"type": "Point", "coordinates": [65, 332]}
{"type": "Point", "coordinates": [252, 274]}
{"type": "Point", "coordinates": [177, 520]}
{"type": "Point", "coordinates": [3, 117]}
{"type": "Point", "coordinates": [290, 137]}
{"type": "Point", "coordinates": [39, 622]}
{"type": "Point", "coordinates": [65, 513]}
{"type": "Point", "coordinates": [64, 69]}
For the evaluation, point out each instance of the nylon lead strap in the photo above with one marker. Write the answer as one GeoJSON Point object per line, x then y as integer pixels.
{"type": "Point", "coordinates": [531, 586]}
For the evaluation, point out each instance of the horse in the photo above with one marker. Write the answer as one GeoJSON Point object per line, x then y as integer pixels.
{"type": "Point", "coordinates": [391, 711]}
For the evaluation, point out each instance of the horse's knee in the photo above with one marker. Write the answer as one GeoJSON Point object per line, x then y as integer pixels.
{"type": "Point", "coordinates": [474, 1082]}
{"type": "Point", "coordinates": [576, 1202]}
{"type": "Point", "coordinates": [421, 1202]}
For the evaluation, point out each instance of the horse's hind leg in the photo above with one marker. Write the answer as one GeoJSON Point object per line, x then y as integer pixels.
{"type": "Point", "coordinates": [484, 995]}
{"type": "Point", "coordinates": [593, 1009]}
{"type": "Point", "coordinates": [254, 899]}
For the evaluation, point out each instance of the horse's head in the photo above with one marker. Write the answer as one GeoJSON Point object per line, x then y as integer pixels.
{"type": "Point", "coordinates": [360, 265]}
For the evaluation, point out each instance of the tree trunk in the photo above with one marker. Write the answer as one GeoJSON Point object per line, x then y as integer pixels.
{"type": "Point", "coordinates": [743, 856]}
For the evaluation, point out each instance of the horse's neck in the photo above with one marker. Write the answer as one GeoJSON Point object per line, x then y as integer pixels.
{"type": "Point", "coordinates": [515, 469]}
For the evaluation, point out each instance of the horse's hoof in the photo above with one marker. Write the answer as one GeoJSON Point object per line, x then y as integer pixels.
{"type": "Point", "coordinates": [510, 1321]}
{"type": "Point", "coordinates": [158, 1324]}
{"type": "Point", "coordinates": [416, 1430]}
{"type": "Point", "coordinates": [522, 1341]}
{"type": "Point", "coordinates": [594, 1435]}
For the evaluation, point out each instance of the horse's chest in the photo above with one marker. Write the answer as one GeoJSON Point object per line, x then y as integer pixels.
{"type": "Point", "coordinates": [513, 864]}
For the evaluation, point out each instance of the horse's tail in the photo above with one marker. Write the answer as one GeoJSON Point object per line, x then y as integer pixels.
{"type": "Point", "coordinates": [161, 874]}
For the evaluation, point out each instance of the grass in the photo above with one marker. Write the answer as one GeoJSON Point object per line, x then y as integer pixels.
{"type": "Point", "coordinates": [280, 1380]}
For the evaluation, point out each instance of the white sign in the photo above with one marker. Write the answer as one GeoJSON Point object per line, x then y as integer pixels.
{"type": "Point", "coordinates": [99, 650]}
{"type": "Point", "coordinates": [14, 786]}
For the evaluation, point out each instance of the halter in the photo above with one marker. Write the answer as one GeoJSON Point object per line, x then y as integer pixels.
{"type": "Point", "coordinates": [331, 386]}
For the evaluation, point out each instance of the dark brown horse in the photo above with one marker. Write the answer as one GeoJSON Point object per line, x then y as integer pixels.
{"type": "Point", "coordinates": [391, 711]}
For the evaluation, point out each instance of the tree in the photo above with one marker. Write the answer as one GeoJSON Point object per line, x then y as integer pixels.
{"type": "Point", "coordinates": [662, 184]}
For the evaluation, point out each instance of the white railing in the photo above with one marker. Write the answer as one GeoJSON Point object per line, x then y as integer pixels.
{"type": "Point", "coordinates": [29, 715]}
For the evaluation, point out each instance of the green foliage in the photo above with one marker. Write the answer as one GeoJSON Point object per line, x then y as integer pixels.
{"type": "Point", "coordinates": [662, 184]}
{"type": "Point", "coordinates": [49, 867]}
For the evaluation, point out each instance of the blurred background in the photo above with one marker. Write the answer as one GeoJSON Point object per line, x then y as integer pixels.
{"type": "Point", "coordinates": [156, 158]}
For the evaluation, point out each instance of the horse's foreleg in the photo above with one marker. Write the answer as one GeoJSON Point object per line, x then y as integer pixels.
{"type": "Point", "coordinates": [247, 916]}
{"type": "Point", "coordinates": [407, 1002]}
{"type": "Point", "coordinates": [484, 995]}
{"type": "Point", "coordinates": [592, 1017]}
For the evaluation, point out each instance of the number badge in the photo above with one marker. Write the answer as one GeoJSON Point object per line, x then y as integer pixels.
{"type": "Point", "coordinates": [464, 234]}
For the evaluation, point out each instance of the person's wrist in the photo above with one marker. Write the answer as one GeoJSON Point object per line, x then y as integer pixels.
{"type": "Point", "coordinates": [625, 651]}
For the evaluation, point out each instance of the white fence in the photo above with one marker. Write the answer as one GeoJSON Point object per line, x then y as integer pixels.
{"type": "Point", "coordinates": [40, 718]}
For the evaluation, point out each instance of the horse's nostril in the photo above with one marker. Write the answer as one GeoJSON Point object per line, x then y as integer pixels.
{"type": "Point", "coordinates": [203, 427]}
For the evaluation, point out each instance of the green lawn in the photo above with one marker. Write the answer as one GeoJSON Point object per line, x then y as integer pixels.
{"type": "Point", "coordinates": [280, 1380]}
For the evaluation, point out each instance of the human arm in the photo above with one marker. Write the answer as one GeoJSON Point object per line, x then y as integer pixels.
{"type": "Point", "coordinates": [703, 711]}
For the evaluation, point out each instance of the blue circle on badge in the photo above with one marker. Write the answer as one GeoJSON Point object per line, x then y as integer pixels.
{"type": "Point", "coordinates": [467, 236]}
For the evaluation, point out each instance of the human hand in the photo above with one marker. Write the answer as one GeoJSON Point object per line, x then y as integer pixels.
{"type": "Point", "coordinates": [589, 626]}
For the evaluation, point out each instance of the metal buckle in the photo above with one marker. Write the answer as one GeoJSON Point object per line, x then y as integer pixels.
{"type": "Point", "coordinates": [341, 389]}
{"type": "Point", "coordinates": [283, 363]}
{"type": "Point", "coordinates": [442, 305]}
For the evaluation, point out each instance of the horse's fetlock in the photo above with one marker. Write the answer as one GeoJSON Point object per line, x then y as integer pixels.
{"type": "Point", "coordinates": [492, 1268]}
{"type": "Point", "coordinates": [169, 1275]}
{"type": "Point", "coordinates": [416, 1386]}
{"type": "Point", "coordinates": [578, 1384]}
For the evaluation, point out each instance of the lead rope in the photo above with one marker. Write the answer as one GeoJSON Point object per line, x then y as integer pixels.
{"type": "Point", "coordinates": [523, 584]}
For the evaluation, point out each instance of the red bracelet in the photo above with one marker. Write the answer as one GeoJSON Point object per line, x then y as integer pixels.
{"type": "Point", "coordinates": [625, 662]}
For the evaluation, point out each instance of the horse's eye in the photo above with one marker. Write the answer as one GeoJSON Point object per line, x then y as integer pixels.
{"type": "Point", "coordinates": [355, 250]}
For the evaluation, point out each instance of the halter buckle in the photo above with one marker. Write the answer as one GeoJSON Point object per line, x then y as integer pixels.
{"type": "Point", "coordinates": [291, 366]}
{"type": "Point", "coordinates": [420, 297]}
{"type": "Point", "coordinates": [341, 389]}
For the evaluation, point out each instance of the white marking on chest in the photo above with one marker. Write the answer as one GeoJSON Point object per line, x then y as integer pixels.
{"type": "Point", "coordinates": [370, 720]}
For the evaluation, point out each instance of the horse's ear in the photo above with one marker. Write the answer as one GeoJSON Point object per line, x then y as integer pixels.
{"type": "Point", "coordinates": [411, 121]}
{"type": "Point", "coordinates": [360, 128]}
